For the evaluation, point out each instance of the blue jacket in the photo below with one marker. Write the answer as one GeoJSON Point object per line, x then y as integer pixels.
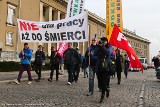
{"type": "Point", "coordinates": [26, 59]}
{"type": "Point", "coordinates": [93, 55]}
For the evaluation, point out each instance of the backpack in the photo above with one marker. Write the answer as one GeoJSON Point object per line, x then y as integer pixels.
{"type": "Point", "coordinates": [104, 64]}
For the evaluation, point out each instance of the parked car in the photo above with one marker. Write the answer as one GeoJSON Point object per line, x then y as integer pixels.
{"type": "Point", "coordinates": [151, 65]}
{"type": "Point", "coordinates": [144, 63]}
{"type": "Point", "coordinates": [134, 69]}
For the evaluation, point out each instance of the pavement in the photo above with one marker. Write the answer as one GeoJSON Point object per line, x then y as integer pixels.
{"type": "Point", "coordinates": [10, 76]}
{"type": "Point", "coordinates": [138, 90]}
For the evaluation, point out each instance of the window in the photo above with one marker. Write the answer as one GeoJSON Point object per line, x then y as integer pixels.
{"type": "Point", "coordinates": [9, 38]}
{"type": "Point", "coordinates": [75, 44]}
{"type": "Point", "coordinates": [11, 14]}
{"type": "Point", "coordinates": [131, 43]}
{"type": "Point", "coordinates": [99, 32]}
{"type": "Point", "coordinates": [144, 46]}
{"type": "Point", "coordinates": [103, 33]}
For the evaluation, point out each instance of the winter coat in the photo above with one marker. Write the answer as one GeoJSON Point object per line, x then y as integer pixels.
{"type": "Point", "coordinates": [93, 56]}
{"type": "Point", "coordinates": [104, 53]}
{"type": "Point", "coordinates": [55, 58]}
{"type": "Point", "coordinates": [71, 57]}
{"type": "Point", "coordinates": [126, 63]}
{"type": "Point", "coordinates": [119, 63]}
{"type": "Point", "coordinates": [26, 59]}
{"type": "Point", "coordinates": [39, 57]}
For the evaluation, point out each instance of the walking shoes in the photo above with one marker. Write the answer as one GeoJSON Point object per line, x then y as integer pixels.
{"type": "Point", "coordinates": [29, 82]}
{"type": "Point", "coordinates": [17, 82]}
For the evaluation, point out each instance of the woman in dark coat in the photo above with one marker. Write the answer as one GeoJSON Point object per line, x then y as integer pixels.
{"type": "Point", "coordinates": [54, 61]}
{"type": "Point", "coordinates": [119, 65]}
{"type": "Point", "coordinates": [126, 65]}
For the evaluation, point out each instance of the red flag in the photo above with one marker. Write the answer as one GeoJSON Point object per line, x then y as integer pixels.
{"type": "Point", "coordinates": [118, 39]}
{"type": "Point", "coordinates": [62, 47]}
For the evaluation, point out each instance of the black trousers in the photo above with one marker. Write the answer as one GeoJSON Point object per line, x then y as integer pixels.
{"type": "Point", "coordinates": [76, 72]}
{"type": "Point", "coordinates": [54, 67]}
{"type": "Point", "coordinates": [119, 76]}
{"type": "Point", "coordinates": [71, 70]}
{"type": "Point", "coordinates": [99, 79]}
{"type": "Point", "coordinates": [103, 77]}
{"type": "Point", "coordinates": [38, 69]}
{"type": "Point", "coordinates": [108, 80]}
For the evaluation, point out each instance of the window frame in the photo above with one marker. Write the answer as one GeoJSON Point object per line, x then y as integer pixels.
{"type": "Point", "coordinates": [9, 38]}
{"type": "Point", "coordinates": [8, 22]}
{"type": "Point", "coordinates": [99, 32]}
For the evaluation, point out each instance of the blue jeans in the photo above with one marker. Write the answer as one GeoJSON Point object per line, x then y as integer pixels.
{"type": "Point", "coordinates": [85, 70]}
{"type": "Point", "coordinates": [126, 71]}
{"type": "Point", "coordinates": [92, 71]}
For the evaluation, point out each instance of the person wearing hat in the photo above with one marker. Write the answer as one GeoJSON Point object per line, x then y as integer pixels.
{"type": "Point", "coordinates": [39, 58]}
{"type": "Point", "coordinates": [54, 61]}
{"type": "Point", "coordinates": [25, 55]}
{"type": "Point", "coordinates": [104, 52]}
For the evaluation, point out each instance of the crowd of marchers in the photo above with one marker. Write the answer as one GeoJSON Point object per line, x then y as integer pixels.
{"type": "Point", "coordinates": [100, 58]}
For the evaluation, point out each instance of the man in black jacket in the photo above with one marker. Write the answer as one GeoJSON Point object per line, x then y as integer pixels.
{"type": "Point", "coordinates": [54, 61]}
{"type": "Point", "coordinates": [71, 59]}
{"type": "Point", "coordinates": [104, 52]}
{"type": "Point", "coordinates": [77, 67]}
{"type": "Point", "coordinates": [156, 62]}
{"type": "Point", "coordinates": [39, 58]}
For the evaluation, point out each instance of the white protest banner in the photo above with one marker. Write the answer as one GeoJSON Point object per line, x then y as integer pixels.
{"type": "Point", "coordinates": [73, 29]}
{"type": "Point", "coordinates": [75, 7]}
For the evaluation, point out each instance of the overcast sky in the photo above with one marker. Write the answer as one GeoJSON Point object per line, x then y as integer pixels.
{"type": "Point", "coordinates": [143, 16]}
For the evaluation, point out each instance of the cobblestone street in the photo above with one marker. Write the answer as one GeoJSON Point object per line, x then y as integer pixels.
{"type": "Point", "coordinates": [59, 94]}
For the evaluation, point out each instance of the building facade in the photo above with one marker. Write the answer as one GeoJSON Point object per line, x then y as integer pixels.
{"type": "Point", "coordinates": [40, 10]}
{"type": "Point", "coordinates": [139, 44]}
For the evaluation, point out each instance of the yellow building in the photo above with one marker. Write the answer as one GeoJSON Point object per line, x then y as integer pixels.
{"type": "Point", "coordinates": [39, 10]}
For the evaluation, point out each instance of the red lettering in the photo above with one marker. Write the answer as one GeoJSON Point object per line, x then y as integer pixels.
{"type": "Point", "coordinates": [23, 25]}
{"type": "Point", "coordinates": [27, 26]}
{"type": "Point", "coordinates": [34, 27]}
